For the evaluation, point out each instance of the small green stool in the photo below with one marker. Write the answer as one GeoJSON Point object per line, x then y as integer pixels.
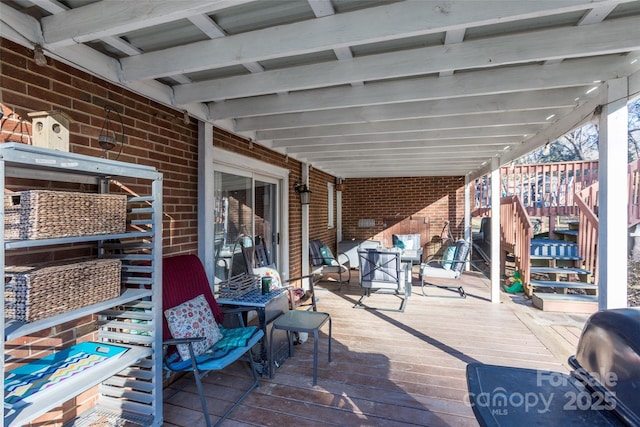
{"type": "Point", "coordinates": [301, 321]}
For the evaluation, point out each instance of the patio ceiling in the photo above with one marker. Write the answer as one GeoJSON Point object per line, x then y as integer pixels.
{"type": "Point", "coordinates": [357, 88]}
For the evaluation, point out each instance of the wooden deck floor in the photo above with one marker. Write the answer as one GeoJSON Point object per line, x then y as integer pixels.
{"type": "Point", "coordinates": [388, 368]}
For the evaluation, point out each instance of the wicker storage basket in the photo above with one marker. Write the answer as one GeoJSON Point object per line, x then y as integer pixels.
{"type": "Point", "coordinates": [44, 214]}
{"type": "Point", "coordinates": [40, 291]}
{"type": "Point", "coordinates": [239, 285]}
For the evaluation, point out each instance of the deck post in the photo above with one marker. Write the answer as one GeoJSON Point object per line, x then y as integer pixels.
{"type": "Point", "coordinates": [467, 216]}
{"type": "Point", "coordinates": [612, 210]}
{"type": "Point", "coordinates": [305, 225]}
{"type": "Point", "coordinates": [495, 230]}
{"type": "Point", "coordinates": [206, 197]}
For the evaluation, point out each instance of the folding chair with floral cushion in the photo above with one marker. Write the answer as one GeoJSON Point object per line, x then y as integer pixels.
{"type": "Point", "coordinates": [194, 339]}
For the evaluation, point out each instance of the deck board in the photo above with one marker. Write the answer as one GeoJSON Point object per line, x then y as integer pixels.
{"type": "Point", "coordinates": [388, 368]}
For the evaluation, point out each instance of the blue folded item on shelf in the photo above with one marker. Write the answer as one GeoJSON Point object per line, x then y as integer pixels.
{"type": "Point", "coordinates": [26, 380]}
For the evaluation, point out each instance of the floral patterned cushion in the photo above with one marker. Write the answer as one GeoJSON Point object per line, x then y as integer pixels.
{"type": "Point", "coordinates": [193, 318]}
{"type": "Point", "coordinates": [276, 282]}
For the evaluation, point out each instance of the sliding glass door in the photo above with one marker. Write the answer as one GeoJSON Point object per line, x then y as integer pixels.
{"type": "Point", "coordinates": [246, 205]}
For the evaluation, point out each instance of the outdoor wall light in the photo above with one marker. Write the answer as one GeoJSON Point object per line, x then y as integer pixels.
{"type": "Point", "coordinates": [304, 192]}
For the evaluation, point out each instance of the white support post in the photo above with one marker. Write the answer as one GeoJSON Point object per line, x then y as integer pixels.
{"type": "Point", "coordinates": [206, 199]}
{"type": "Point", "coordinates": [467, 216]}
{"type": "Point", "coordinates": [612, 209]}
{"type": "Point", "coordinates": [495, 230]}
{"type": "Point", "coordinates": [339, 216]}
{"type": "Point", "coordinates": [305, 224]}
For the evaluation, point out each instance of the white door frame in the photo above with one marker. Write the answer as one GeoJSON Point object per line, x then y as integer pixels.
{"type": "Point", "coordinates": [264, 170]}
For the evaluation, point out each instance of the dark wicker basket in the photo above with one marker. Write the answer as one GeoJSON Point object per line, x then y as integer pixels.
{"type": "Point", "coordinates": [44, 214]}
{"type": "Point", "coordinates": [41, 291]}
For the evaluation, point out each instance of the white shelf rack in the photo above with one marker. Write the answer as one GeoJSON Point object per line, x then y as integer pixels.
{"type": "Point", "coordinates": [130, 385]}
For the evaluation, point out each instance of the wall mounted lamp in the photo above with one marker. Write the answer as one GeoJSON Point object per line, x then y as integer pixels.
{"type": "Point", "coordinates": [304, 192]}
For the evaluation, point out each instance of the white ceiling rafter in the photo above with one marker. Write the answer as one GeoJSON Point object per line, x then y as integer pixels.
{"type": "Point", "coordinates": [107, 18]}
{"type": "Point", "coordinates": [607, 38]}
{"type": "Point", "coordinates": [213, 31]}
{"type": "Point", "coordinates": [375, 88]}
{"type": "Point", "coordinates": [325, 8]}
{"type": "Point", "coordinates": [392, 21]}
{"type": "Point", "coordinates": [485, 82]}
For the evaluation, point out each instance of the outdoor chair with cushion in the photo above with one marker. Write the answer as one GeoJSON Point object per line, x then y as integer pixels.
{"type": "Point", "coordinates": [323, 262]}
{"type": "Point", "coordinates": [449, 266]}
{"type": "Point", "coordinates": [411, 247]}
{"type": "Point", "coordinates": [194, 339]}
{"type": "Point", "coordinates": [381, 269]}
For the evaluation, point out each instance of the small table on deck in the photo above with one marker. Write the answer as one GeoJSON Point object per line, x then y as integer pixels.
{"type": "Point", "coordinates": [303, 321]}
{"type": "Point", "coordinates": [268, 307]}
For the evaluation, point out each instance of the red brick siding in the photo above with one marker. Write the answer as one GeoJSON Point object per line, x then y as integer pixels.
{"type": "Point", "coordinates": [156, 135]}
{"type": "Point", "coordinates": [403, 205]}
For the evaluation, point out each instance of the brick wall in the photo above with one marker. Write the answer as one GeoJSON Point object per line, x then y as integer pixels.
{"type": "Point", "coordinates": [402, 206]}
{"type": "Point", "coordinates": [156, 135]}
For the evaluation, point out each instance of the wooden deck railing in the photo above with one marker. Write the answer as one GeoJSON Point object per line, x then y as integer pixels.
{"type": "Point", "coordinates": [516, 232]}
{"type": "Point", "coordinates": [587, 202]}
{"type": "Point", "coordinates": [634, 193]}
{"type": "Point", "coordinates": [545, 189]}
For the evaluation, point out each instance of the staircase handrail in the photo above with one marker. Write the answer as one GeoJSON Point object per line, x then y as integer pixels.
{"type": "Point", "coordinates": [545, 189]}
{"type": "Point", "coordinates": [587, 203]}
{"type": "Point", "coordinates": [516, 233]}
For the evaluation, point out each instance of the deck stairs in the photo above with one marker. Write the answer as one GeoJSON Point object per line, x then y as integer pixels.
{"type": "Point", "coordinates": [558, 281]}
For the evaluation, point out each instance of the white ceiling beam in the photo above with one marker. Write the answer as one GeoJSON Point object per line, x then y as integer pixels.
{"type": "Point", "coordinates": [398, 156]}
{"type": "Point", "coordinates": [369, 116]}
{"type": "Point", "coordinates": [470, 144]}
{"type": "Point", "coordinates": [597, 14]}
{"type": "Point", "coordinates": [213, 31]}
{"type": "Point", "coordinates": [392, 21]}
{"type": "Point", "coordinates": [325, 8]}
{"type": "Point", "coordinates": [108, 18]}
{"type": "Point", "coordinates": [19, 27]}
{"type": "Point", "coordinates": [518, 131]}
{"type": "Point", "coordinates": [452, 37]}
{"type": "Point", "coordinates": [619, 36]}
{"type": "Point", "coordinates": [346, 119]}
{"type": "Point", "coordinates": [456, 122]}
{"type": "Point", "coordinates": [402, 173]}
{"type": "Point", "coordinates": [54, 7]}
{"type": "Point", "coordinates": [361, 131]}
{"type": "Point", "coordinates": [593, 16]}
{"type": "Point", "coordinates": [505, 80]}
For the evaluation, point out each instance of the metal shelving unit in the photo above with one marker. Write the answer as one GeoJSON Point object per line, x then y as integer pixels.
{"type": "Point", "coordinates": [129, 385]}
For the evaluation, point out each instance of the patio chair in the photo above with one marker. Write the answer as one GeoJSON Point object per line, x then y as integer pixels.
{"type": "Point", "coordinates": [449, 266]}
{"type": "Point", "coordinates": [206, 346]}
{"type": "Point", "coordinates": [381, 269]}
{"type": "Point", "coordinates": [411, 247]}
{"type": "Point", "coordinates": [323, 262]}
{"type": "Point", "coordinates": [259, 263]}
